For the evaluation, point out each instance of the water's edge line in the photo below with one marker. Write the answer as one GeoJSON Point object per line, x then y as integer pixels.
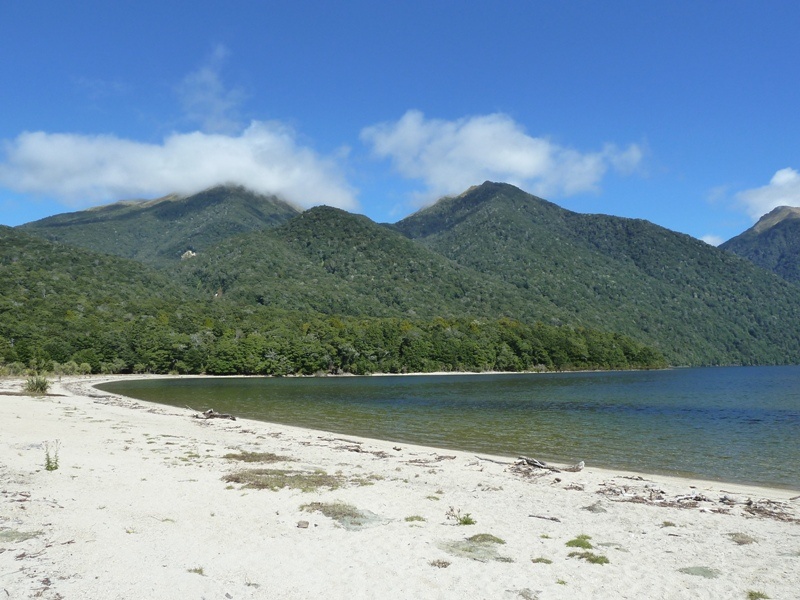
{"type": "Point", "coordinates": [742, 487]}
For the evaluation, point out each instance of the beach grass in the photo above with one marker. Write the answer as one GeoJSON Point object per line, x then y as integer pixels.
{"type": "Point", "coordinates": [276, 479]}
{"type": "Point", "coordinates": [485, 538]}
{"type": "Point", "coordinates": [257, 457]}
{"type": "Point", "coordinates": [346, 515]}
{"type": "Point", "coordinates": [456, 515]}
{"type": "Point", "coordinates": [581, 541]}
{"type": "Point", "coordinates": [37, 385]}
{"type": "Point", "coordinates": [595, 559]}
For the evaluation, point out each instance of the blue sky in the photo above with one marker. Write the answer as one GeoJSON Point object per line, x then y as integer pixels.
{"type": "Point", "coordinates": [681, 113]}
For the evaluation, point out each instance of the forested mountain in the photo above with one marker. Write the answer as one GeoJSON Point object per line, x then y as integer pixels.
{"type": "Point", "coordinates": [494, 279]}
{"type": "Point", "coordinates": [66, 309]}
{"type": "Point", "coordinates": [694, 302]}
{"type": "Point", "coordinates": [160, 231]}
{"type": "Point", "coordinates": [773, 243]}
{"type": "Point", "coordinates": [327, 260]}
{"type": "Point", "coordinates": [62, 303]}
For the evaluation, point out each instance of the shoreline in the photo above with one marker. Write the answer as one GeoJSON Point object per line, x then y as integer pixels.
{"type": "Point", "coordinates": [689, 476]}
{"type": "Point", "coordinates": [138, 508]}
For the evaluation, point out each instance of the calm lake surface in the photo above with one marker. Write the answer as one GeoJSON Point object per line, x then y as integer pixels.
{"type": "Point", "coordinates": [739, 424]}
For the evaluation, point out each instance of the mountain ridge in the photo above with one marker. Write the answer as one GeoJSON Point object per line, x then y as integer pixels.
{"type": "Point", "coordinates": [662, 287]}
{"type": "Point", "coordinates": [64, 309]}
{"type": "Point", "coordinates": [161, 230]}
{"type": "Point", "coordinates": [773, 243]}
{"type": "Point", "coordinates": [492, 252]}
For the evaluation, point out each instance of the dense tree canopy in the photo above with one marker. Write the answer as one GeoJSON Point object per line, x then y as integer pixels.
{"type": "Point", "coordinates": [494, 279]}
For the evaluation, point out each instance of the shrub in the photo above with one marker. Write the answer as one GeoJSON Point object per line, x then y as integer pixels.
{"type": "Point", "coordinates": [582, 541]}
{"type": "Point", "coordinates": [51, 460]}
{"type": "Point", "coordinates": [37, 385]}
{"type": "Point", "coordinates": [595, 559]}
{"type": "Point", "coordinates": [455, 514]}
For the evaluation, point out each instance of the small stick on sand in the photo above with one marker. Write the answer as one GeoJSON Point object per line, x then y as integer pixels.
{"type": "Point", "coordinates": [212, 414]}
{"type": "Point", "coordinates": [556, 519]}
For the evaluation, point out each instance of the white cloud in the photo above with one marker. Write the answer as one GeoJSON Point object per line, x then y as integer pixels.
{"type": "Point", "coordinates": [82, 170]}
{"type": "Point", "coordinates": [205, 99]}
{"type": "Point", "coordinates": [712, 239]}
{"type": "Point", "coordinates": [449, 156]}
{"type": "Point", "coordinates": [782, 190]}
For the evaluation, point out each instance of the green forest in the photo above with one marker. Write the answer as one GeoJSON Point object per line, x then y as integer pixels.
{"type": "Point", "coordinates": [68, 310]}
{"type": "Point", "coordinates": [231, 282]}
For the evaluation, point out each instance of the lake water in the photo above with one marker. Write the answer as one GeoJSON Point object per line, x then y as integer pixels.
{"type": "Point", "coordinates": [739, 424]}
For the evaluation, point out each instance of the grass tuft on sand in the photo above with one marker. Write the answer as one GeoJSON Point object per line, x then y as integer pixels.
{"type": "Point", "coordinates": [741, 538]}
{"type": "Point", "coordinates": [276, 479]}
{"type": "Point", "coordinates": [581, 541]}
{"type": "Point", "coordinates": [705, 572]}
{"type": "Point", "coordinates": [595, 559]}
{"type": "Point", "coordinates": [485, 538]}
{"type": "Point", "coordinates": [481, 547]}
{"type": "Point", "coordinates": [257, 457]}
{"type": "Point", "coordinates": [346, 515]}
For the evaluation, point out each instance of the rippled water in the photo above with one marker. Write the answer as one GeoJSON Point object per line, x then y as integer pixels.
{"type": "Point", "coordinates": [737, 424]}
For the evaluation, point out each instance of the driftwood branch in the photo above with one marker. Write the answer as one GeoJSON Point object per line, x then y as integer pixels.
{"type": "Point", "coordinates": [575, 468]}
{"type": "Point", "coordinates": [533, 462]}
{"type": "Point", "coordinates": [556, 519]}
{"type": "Point", "coordinates": [525, 465]}
{"type": "Point", "coordinates": [498, 462]}
{"type": "Point", "coordinates": [212, 414]}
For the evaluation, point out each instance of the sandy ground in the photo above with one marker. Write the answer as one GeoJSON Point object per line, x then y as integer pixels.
{"type": "Point", "coordinates": [139, 508]}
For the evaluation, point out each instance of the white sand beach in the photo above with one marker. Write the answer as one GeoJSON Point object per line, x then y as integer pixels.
{"type": "Point", "coordinates": [139, 508]}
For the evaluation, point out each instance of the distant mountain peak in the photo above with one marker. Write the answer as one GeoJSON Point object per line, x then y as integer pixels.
{"type": "Point", "coordinates": [163, 229]}
{"type": "Point", "coordinates": [773, 243]}
{"type": "Point", "coordinates": [489, 197]}
{"type": "Point", "coordinates": [775, 216]}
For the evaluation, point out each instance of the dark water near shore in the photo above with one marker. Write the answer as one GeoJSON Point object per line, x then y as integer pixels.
{"type": "Point", "coordinates": [739, 424]}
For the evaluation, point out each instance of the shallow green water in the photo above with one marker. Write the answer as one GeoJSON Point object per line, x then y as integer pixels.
{"type": "Point", "coordinates": [737, 424]}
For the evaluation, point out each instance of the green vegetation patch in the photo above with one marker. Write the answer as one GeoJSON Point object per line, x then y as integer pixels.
{"type": "Point", "coordinates": [37, 385]}
{"type": "Point", "coordinates": [276, 479]}
{"type": "Point", "coordinates": [368, 480]}
{"type": "Point", "coordinates": [258, 457]}
{"type": "Point", "coordinates": [595, 559]}
{"type": "Point", "coordinates": [414, 518]}
{"type": "Point", "coordinates": [456, 515]}
{"type": "Point", "coordinates": [481, 547]}
{"type": "Point", "coordinates": [13, 535]}
{"type": "Point", "coordinates": [542, 560]}
{"type": "Point", "coordinates": [754, 595]}
{"type": "Point", "coordinates": [706, 572]}
{"type": "Point", "coordinates": [346, 515]}
{"type": "Point", "coordinates": [51, 455]}
{"type": "Point", "coordinates": [485, 538]}
{"type": "Point", "coordinates": [742, 538]}
{"type": "Point", "coordinates": [582, 541]}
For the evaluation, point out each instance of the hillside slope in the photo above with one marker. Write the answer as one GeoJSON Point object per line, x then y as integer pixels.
{"type": "Point", "coordinates": [773, 243]}
{"type": "Point", "coordinates": [62, 303]}
{"type": "Point", "coordinates": [330, 261]}
{"type": "Point", "coordinates": [696, 303]}
{"type": "Point", "coordinates": [65, 309]}
{"type": "Point", "coordinates": [160, 231]}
